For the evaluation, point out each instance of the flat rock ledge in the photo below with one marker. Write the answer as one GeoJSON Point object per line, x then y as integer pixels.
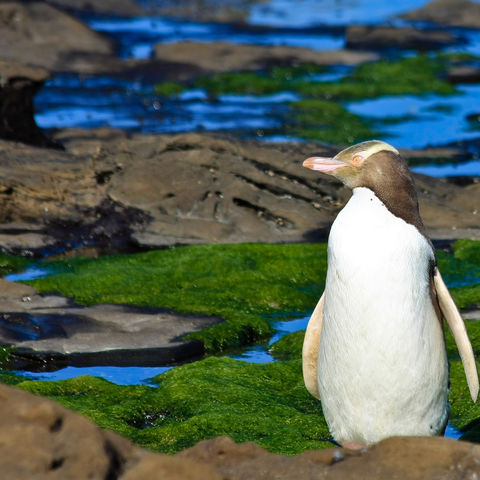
{"type": "Point", "coordinates": [120, 192]}
{"type": "Point", "coordinates": [52, 331]}
{"type": "Point", "coordinates": [42, 440]}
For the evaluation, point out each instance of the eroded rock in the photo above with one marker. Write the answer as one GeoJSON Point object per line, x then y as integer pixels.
{"type": "Point", "coordinates": [119, 191]}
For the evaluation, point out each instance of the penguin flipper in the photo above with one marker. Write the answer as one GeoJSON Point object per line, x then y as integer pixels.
{"type": "Point", "coordinates": [311, 346]}
{"type": "Point", "coordinates": [459, 332]}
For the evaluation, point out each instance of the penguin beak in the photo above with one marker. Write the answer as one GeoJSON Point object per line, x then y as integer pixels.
{"type": "Point", "coordinates": [323, 164]}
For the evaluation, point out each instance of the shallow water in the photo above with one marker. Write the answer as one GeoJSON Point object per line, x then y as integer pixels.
{"type": "Point", "coordinates": [304, 13]}
{"type": "Point", "coordinates": [428, 119]}
{"type": "Point", "coordinates": [136, 37]}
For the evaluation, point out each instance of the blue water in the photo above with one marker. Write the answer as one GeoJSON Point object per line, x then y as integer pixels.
{"type": "Point", "coordinates": [305, 13]}
{"type": "Point", "coordinates": [427, 120]}
{"type": "Point", "coordinates": [137, 36]}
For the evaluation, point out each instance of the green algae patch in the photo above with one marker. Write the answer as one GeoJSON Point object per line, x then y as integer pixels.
{"type": "Point", "coordinates": [413, 75]}
{"type": "Point", "coordinates": [263, 403]}
{"type": "Point", "coordinates": [327, 121]}
{"type": "Point", "coordinates": [168, 89]}
{"type": "Point", "coordinates": [244, 284]}
{"type": "Point", "coordinates": [12, 263]}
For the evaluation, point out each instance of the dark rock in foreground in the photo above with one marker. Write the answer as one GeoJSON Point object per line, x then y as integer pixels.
{"type": "Point", "coordinates": [457, 13]}
{"type": "Point", "coordinates": [378, 38]}
{"type": "Point", "coordinates": [42, 440]}
{"type": "Point", "coordinates": [51, 328]}
{"type": "Point", "coordinates": [119, 191]}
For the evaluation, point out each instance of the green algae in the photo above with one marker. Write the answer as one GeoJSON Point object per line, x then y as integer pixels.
{"type": "Point", "coordinates": [263, 403]}
{"type": "Point", "coordinates": [244, 284]}
{"type": "Point", "coordinates": [413, 75]}
{"type": "Point", "coordinates": [321, 114]}
{"type": "Point", "coordinates": [168, 89]}
{"type": "Point", "coordinates": [12, 263]}
{"type": "Point", "coordinates": [327, 121]}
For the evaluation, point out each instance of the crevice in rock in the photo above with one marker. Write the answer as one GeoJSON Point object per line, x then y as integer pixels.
{"type": "Point", "coordinates": [268, 169]}
{"type": "Point", "coordinates": [277, 191]}
{"type": "Point", "coordinates": [115, 468]}
{"type": "Point", "coordinates": [57, 425]}
{"type": "Point", "coordinates": [264, 213]}
{"type": "Point", "coordinates": [57, 463]}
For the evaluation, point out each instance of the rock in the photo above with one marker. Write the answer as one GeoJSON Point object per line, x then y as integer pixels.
{"type": "Point", "coordinates": [463, 74]}
{"type": "Point", "coordinates": [120, 191]}
{"type": "Point", "coordinates": [457, 13]}
{"type": "Point", "coordinates": [224, 56]}
{"type": "Point", "coordinates": [38, 34]}
{"type": "Point", "coordinates": [42, 440]}
{"type": "Point", "coordinates": [52, 328]}
{"type": "Point", "coordinates": [18, 86]}
{"type": "Point", "coordinates": [124, 8]}
{"type": "Point", "coordinates": [378, 38]}
{"type": "Point", "coordinates": [409, 458]}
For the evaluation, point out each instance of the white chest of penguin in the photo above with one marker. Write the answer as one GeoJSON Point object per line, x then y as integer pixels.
{"type": "Point", "coordinates": [382, 365]}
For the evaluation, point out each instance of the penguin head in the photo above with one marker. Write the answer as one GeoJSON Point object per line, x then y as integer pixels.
{"type": "Point", "coordinates": [359, 164]}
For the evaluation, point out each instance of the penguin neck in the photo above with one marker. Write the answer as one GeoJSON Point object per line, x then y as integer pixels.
{"type": "Point", "coordinates": [399, 202]}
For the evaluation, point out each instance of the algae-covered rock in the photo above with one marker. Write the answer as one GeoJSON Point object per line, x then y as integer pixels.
{"type": "Point", "coordinates": [263, 403]}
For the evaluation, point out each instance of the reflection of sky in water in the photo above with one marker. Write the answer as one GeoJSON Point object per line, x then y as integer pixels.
{"type": "Point", "coordinates": [118, 375]}
{"type": "Point", "coordinates": [464, 169]}
{"type": "Point", "coordinates": [137, 36]}
{"type": "Point", "coordinates": [28, 274]}
{"type": "Point", "coordinates": [436, 120]}
{"type": "Point", "coordinates": [303, 13]}
{"type": "Point", "coordinates": [259, 354]}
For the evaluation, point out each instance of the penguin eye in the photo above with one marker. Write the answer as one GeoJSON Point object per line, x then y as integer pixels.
{"type": "Point", "coordinates": [357, 159]}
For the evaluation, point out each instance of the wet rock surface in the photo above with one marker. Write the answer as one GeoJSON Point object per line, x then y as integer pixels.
{"type": "Point", "coordinates": [51, 330]}
{"type": "Point", "coordinates": [42, 440]}
{"type": "Point", "coordinates": [458, 13]}
{"type": "Point", "coordinates": [121, 192]}
{"type": "Point", "coordinates": [378, 38]}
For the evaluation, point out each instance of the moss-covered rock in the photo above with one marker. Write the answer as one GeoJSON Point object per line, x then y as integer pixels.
{"type": "Point", "coordinates": [263, 403]}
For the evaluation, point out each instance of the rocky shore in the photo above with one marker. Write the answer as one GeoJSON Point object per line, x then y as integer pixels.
{"type": "Point", "coordinates": [55, 443]}
{"type": "Point", "coordinates": [75, 192]}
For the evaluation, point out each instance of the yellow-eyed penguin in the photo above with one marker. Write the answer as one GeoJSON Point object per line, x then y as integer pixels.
{"type": "Point", "coordinates": [374, 350]}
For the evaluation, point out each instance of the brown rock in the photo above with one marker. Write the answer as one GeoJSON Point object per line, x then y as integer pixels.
{"type": "Point", "coordinates": [458, 13]}
{"type": "Point", "coordinates": [155, 190]}
{"type": "Point", "coordinates": [377, 38]}
{"type": "Point", "coordinates": [40, 440]}
{"type": "Point", "coordinates": [38, 34]}
{"type": "Point", "coordinates": [224, 56]}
